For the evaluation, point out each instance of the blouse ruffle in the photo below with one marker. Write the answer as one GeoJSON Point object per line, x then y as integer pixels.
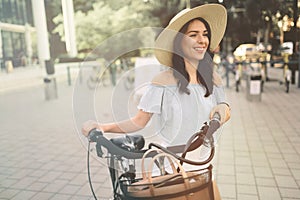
{"type": "Point", "coordinates": [178, 115]}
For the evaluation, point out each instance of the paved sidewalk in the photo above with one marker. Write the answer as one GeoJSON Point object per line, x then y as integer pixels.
{"type": "Point", "coordinates": [26, 77]}
{"type": "Point", "coordinates": [43, 157]}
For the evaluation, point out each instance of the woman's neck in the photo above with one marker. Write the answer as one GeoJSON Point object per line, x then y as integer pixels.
{"type": "Point", "coordinates": [192, 71]}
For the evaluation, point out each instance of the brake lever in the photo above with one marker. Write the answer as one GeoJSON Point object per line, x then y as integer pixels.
{"type": "Point", "coordinates": [93, 136]}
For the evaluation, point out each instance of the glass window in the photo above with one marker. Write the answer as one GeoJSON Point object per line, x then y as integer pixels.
{"type": "Point", "coordinates": [13, 44]}
{"type": "Point", "coordinates": [16, 11]}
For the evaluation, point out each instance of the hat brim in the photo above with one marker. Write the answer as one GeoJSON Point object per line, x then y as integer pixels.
{"type": "Point", "coordinates": [214, 14]}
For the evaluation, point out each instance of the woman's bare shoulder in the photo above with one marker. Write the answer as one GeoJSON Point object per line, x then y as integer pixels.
{"type": "Point", "coordinates": [164, 78]}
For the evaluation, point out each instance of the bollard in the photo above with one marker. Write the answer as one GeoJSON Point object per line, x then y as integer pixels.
{"type": "Point", "coordinates": [50, 67]}
{"type": "Point", "coordinates": [254, 87]}
{"type": "Point", "coordinates": [9, 66]}
{"type": "Point", "coordinates": [50, 88]}
{"type": "Point", "coordinates": [69, 76]}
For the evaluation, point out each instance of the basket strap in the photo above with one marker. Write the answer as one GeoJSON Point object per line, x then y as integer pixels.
{"type": "Point", "coordinates": [144, 175]}
{"type": "Point", "coordinates": [171, 160]}
{"type": "Point", "coordinates": [194, 142]}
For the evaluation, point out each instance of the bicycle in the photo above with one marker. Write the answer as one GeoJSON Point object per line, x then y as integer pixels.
{"type": "Point", "coordinates": [123, 152]}
{"type": "Point", "coordinates": [286, 77]}
{"type": "Point", "coordinates": [226, 68]}
{"type": "Point", "coordinates": [286, 73]}
{"type": "Point", "coordinates": [98, 76]}
{"type": "Point", "coordinates": [126, 66]}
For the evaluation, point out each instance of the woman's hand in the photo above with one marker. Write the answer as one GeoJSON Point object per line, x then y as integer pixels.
{"type": "Point", "coordinates": [88, 126]}
{"type": "Point", "coordinates": [224, 111]}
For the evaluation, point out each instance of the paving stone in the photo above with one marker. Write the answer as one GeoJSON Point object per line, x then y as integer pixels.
{"type": "Point", "coordinates": [286, 181]}
{"type": "Point", "coordinates": [60, 197]}
{"type": "Point", "coordinates": [263, 172]}
{"type": "Point", "coordinates": [246, 189]}
{"type": "Point", "coordinates": [42, 196]}
{"type": "Point", "coordinates": [23, 195]}
{"type": "Point", "coordinates": [266, 193]}
{"type": "Point", "coordinates": [269, 182]}
{"type": "Point", "coordinates": [69, 189]}
{"type": "Point", "coordinates": [37, 186]}
{"type": "Point", "coordinates": [8, 193]}
{"type": "Point", "coordinates": [23, 183]}
{"type": "Point", "coordinates": [245, 178]}
{"type": "Point", "coordinates": [247, 197]}
{"type": "Point", "coordinates": [55, 186]}
{"type": "Point", "coordinates": [290, 193]}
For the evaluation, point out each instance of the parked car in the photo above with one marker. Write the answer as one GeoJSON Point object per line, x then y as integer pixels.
{"type": "Point", "coordinates": [247, 52]}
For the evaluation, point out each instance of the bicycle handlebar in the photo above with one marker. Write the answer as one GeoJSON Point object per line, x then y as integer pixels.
{"type": "Point", "coordinates": [101, 141]}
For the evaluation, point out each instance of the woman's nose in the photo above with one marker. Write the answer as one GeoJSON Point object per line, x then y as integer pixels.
{"type": "Point", "coordinates": [200, 39]}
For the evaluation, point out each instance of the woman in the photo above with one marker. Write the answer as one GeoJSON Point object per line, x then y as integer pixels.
{"type": "Point", "coordinates": [189, 93]}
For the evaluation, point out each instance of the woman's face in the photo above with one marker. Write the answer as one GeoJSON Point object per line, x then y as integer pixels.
{"type": "Point", "coordinates": [196, 42]}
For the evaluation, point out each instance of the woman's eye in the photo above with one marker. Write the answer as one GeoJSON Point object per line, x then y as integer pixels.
{"type": "Point", "coordinates": [193, 35]}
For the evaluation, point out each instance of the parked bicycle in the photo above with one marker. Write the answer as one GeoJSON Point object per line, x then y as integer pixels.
{"type": "Point", "coordinates": [126, 66]}
{"type": "Point", "coordinates": [99, 76]}
{"type": "Point", "coordinates": [123, 153]}
{"type": "Point", "coordinates": [286, 73]}
{"type": "Point", "coordinates": [109, 76]}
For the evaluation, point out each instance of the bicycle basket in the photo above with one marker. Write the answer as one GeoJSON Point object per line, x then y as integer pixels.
{"type": "Point", "coordinates": [181, 185]}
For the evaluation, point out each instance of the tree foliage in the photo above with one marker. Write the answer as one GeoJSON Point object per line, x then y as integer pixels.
{"type": "Point", "coordinates": [98, 20]}
{"type": "Point", "coordinates": [107, 18]}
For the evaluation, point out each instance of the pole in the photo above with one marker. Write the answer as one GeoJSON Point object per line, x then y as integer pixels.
{"type": "Point", "coordinates": [39, 15]}
{"type": "Point", "coordinates": [296, 48]}
{"type": "Point", "coordinates": [28, 44]}
{"type": "Point", "coordinates": [1, 52]}
{"type": "Point", "coordinates": [188, 4]}
{"type": "Point", "coordinates": [294, 29]}
{"type": "Point", "coordinates": [69, 27]}
{"type": "Point", "coordinates": [299, 67]}
{"type": "Point", "coordinates": [40, 22]}
{"type": "Point", "coordinates": [295, 18]}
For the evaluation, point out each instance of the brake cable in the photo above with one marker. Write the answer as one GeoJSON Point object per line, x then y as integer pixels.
{"type": "Point", "coordinates": [88, 170]}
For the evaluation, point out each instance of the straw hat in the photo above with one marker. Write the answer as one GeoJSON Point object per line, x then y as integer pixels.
{"type": "Point", "coordinates": [214, 14]}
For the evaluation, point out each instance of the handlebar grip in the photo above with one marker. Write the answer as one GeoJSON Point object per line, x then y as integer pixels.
{"type": "Point", "coordinates": [94, 134]}
{"type": "Point", "coordinates": [214, 124]}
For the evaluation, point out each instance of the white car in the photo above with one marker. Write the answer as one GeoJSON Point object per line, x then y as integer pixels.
{"type": "Point", "coordinates": [247, 52]}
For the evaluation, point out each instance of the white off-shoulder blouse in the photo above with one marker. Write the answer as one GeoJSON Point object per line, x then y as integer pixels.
{"type": "Point", "coordinates": [179, 115]}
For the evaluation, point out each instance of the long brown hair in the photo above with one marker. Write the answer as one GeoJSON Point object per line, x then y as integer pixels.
{"type": "Point", "coordinates": [180, 72]}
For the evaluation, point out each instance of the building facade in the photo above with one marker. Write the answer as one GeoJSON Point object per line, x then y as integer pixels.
{"type": "Point", "coordinates": [16, 33]}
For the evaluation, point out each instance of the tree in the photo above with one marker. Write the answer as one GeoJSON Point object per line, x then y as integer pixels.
{"type": "Point", "coordinates": [57, 47]}
{"type": "Point", "coordinates": [107, 18]}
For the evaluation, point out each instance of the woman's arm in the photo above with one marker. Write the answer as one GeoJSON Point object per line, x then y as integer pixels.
{"type": "Point", "coordinates": [138, 122]}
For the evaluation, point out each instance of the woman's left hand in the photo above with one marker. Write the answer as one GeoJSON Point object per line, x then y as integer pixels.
{"type": "Point", "coordinates": [223, 110]}
{"type": "Point", "coordinates": [88, 126]}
